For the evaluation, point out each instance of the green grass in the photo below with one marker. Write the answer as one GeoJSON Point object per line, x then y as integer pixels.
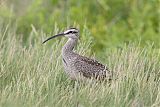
{"type": "Point", "coordinates": [32, 75]}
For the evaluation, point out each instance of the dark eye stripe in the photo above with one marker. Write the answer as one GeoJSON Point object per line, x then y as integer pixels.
{"type": "Point", "coordinates": [75, 32]}
{"type": "Point", "coordinates": [71, 32]}
{"type": "Point", "coordinates": [68, 32]}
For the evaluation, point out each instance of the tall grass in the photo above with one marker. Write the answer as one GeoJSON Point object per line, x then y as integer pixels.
{"type": "Point", "coordinates": [31, 75]}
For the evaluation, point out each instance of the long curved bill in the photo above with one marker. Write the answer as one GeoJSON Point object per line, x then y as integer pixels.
{"type": "Point", "coordinates": [61, 34]}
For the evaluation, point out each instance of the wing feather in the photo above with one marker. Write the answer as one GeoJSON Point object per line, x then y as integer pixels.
{"type": "Point", "coordinates": [90, 67]}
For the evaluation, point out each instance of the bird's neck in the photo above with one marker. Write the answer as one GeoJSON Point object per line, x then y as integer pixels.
{"type": "Point", "coordinates": [68, 47]}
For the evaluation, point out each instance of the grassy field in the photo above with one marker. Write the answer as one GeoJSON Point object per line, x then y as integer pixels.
{"type": "Point", "coordinates": [32, 75]}
{"type": "Point", "coordinates": [123, 34]}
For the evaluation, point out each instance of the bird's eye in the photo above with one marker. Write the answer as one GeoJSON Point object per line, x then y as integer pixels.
{"type": "Point", "coordinates": [74, 32]}
{"type": "Point", "coordinates": [71, 32]}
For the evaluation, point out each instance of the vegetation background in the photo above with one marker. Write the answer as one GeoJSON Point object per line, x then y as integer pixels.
{"type": "Point", "coordinates": [125, 34]}
{"type": "Point", "coordinates": [111, 22]}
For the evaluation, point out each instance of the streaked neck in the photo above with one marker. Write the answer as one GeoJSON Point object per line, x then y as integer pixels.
{"type": "Point", "coordinates": [69, 46]}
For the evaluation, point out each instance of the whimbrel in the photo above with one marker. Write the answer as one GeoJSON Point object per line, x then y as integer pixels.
{"type": "Point", "coordinates": [77, 66]}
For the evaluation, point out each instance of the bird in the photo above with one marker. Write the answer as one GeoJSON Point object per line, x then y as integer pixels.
{"type": "Point", "coordinates": [79, 67]}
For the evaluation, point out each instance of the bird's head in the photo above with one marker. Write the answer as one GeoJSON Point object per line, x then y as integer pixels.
{"type": "Point", "coordinates": [72, 33]}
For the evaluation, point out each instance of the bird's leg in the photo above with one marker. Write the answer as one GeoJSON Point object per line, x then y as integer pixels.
{"type": "Point", "coordinates": [76, 88]}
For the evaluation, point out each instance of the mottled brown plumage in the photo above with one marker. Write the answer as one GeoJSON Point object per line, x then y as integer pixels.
{"type": "Point", "coordinates": [90, 67]}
